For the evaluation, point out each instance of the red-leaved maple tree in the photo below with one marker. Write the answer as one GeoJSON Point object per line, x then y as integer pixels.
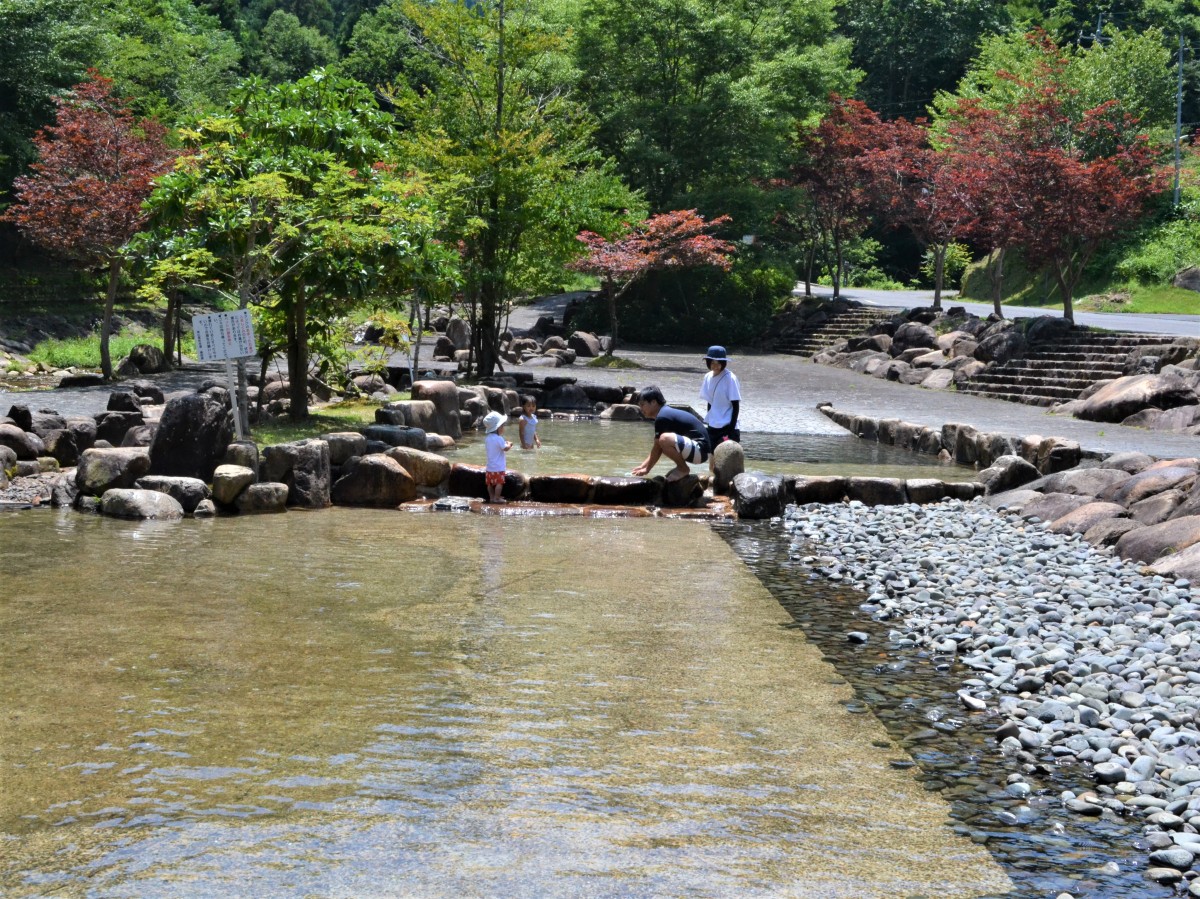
{"type": "Point", "coordinates": [1055, 185]}
{"type": "Point", "coordinates": [921, 189]}
{"type": "Point", "coordinates": [677, 239]}
{"type": "Point", "coordinates": [834, 176]}
{"type": "Point", "coordinates": [96, 166]}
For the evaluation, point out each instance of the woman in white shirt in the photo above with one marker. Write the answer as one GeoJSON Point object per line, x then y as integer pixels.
{"type": "Point", "coordinates": [723, 394]}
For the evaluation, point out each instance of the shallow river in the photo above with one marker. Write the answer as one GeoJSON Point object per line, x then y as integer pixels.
{"type": "Point", "coordinates": [375, 703]}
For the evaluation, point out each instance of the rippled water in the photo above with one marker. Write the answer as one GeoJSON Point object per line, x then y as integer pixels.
{"type": "Point", "coordinates": [613, 448]}
{"type": "Point", "coordinates": [374, 703]}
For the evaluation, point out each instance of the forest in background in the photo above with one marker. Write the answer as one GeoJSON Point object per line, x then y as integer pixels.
{"type": "Point", "coordinates": [645, 106]}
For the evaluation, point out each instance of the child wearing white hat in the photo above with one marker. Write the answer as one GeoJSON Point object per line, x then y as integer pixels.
{"type": "Point", "coordinates": [497, 447]}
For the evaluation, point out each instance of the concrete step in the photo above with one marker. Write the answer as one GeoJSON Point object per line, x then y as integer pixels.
{"type": "Point", "coordinates": [1075, 384]}
{"type": "Point", "coordinates": [1026, 398]}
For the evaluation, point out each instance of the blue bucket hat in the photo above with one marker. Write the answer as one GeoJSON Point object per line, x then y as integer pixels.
{"type": "Point", "coordinates": [716, 354]}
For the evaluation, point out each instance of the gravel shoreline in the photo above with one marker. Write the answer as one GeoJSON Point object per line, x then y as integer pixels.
{"type": "Point", "coordinates": [1079, 656]}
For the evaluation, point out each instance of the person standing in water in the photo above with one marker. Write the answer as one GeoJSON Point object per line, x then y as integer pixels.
{"type": "Point", "coordinates": [527, 424]}
{"type": "Point", "coordinates": [722, 392]}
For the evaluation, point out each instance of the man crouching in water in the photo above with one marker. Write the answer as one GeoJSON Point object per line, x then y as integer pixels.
{"type": "Point", "coordinates": [678, 435]}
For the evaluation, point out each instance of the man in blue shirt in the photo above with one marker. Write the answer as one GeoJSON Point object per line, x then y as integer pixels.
{"type": "Point", "coordinates": [678, 435]}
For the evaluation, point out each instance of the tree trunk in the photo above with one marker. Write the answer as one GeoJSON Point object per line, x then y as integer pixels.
{"type": "Point", "coordinates": [114, 279]}
{"type": "Point", "coordinates": [244, 290]}
{"type": "Point", "coordinates": [809, 262]}
{"type": "Point", "coordinates": [415, 355]}
{"type": "Point", "coordinates": [611, 296]}
{"type": "Point", "coordinates": [939, 274]}
{"type": "Point", "coordinates": [1067, 290]}
{"type": "Point", "coordinates": [297, 336]}
{"type": "Point", "coordinates": [837, 269]}
{"type": "Point", "coordinates": [998, 282]}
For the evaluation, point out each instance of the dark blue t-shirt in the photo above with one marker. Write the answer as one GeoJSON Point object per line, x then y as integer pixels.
{"type": "Point", "coordinates": [676, 421]}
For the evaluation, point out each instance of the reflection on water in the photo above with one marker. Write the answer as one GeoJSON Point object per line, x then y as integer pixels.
{"type": "Point", "coordinates": [365, 703]}
{"type": "Point", "coordinates": [613, 448]}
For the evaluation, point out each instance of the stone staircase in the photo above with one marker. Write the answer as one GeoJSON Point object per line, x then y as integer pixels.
{"type": "Point", "coordinates": [832, 328]}
{"type": "Point", "coordinates": [1059, 369]}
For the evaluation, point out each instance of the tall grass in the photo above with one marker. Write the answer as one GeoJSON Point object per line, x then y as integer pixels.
{"type": "Point", "coordinates": [84, 352]}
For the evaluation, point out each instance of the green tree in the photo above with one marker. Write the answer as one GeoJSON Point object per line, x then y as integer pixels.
{"type": "Point", "coordinates": [45, 47]}
{"type": "Point", "coordinates": [290, 50]}
{"type": "Point", "coordinates": [512, 152]}
{"type": "Point", "coordinates": [694, 96]}
{"type": "Point", "coordinates": [910, 49]}
{"type": "Point", "coordinates": [291, 201]}
{"type": "Point", "coordinates": [170, 57]}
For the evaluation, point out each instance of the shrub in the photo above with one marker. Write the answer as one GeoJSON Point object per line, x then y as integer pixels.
{"type": "Point", "coordinates": [1167, 249]}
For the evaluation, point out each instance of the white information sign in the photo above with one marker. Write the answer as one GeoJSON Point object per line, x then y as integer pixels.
{"type": "Point", "coordinates": [224, 335]}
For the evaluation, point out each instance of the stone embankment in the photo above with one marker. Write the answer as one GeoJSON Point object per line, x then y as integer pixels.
{"type": "Point", "coordinates": [1145, 381]}
{"type": "Point", "coordinates": [154, 457]}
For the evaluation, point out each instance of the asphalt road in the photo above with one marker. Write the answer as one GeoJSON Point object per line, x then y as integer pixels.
{"type": "Point", "coordinates": [1176, 325]}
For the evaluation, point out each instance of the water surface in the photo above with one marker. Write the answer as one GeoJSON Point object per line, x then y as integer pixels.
{"type": "Point", "coordinates": [374, 703]}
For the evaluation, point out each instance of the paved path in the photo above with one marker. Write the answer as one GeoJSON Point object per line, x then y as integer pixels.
{"type": "Point", "coordinates": [1177, 325]}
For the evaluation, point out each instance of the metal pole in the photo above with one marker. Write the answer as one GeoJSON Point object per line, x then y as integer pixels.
{"type": "Point", "coordinates": [1178, 120]}
{"type": "Point", "coordinates": [233, 398]}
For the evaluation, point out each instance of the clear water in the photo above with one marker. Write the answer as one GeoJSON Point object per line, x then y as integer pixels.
{"type": "Point", "coordinates": [374, 703]}
{"type": "Point", "coordinates": [614, 448]}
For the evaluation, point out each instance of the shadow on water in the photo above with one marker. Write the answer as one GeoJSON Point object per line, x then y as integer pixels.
{"type": "Point", "coordinates": [1043, 848]}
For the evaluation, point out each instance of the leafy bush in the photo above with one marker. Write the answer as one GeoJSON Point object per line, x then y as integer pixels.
{"type": "Point", "coordinates": [699, 306]}
{"type": "Point", "coordinates": [1169, 247]}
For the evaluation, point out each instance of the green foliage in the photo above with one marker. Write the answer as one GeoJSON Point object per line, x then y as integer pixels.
{"type": "Point", "coordinates": [45, 47]}
{"type": "Point", "coordinates": [911, 50]}
{"type": "Point", "coordinates": [693, 96]}
{"type": "Point", "coordinates": [1132, 68]}
{"type": "Point", "coordinates": [346, 416]}
{"type": "Point", "coordinates": [958, 257]}
{"type": "Point", "coordinates": [290, 50]}
{"type": "Point", "coordinates": [1165, 250]}
{"type": "Point", "coordinates": [171, 58]}
{"type": "Point", "coordinates": [699, 306]}
{"type": "Point", "coordinates": [612, 362]}
{"type": "Point", "coordinates": [84, 352]}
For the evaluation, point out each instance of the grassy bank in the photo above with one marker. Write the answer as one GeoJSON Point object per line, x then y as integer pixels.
{"type": "Point", "coordinates": [348, 416]}
{"type": "Point", "coordinates": [84, 352]}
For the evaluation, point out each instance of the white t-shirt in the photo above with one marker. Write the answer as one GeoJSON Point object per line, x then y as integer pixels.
{"type": "Point", "coordinates": [720, 392]}
{"type": "Point", "coordinates": [528, 429]}
{"type": "Point", "coordinates": [495, 452]}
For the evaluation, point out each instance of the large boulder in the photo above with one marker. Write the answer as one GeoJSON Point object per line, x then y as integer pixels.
{"type": "Point", "coordinates": [1007, 473]}
{"type": "Point", "coordinates": [1053, 506]}
{"type": "Point", "coordinates": [147, 359]}
{"type": "Point", "coordinates": [444, 397]}
{"type": "Point", "coordinates": [63, 446]}
{"type": "Point", "coordinates": [1084, 481]}
{"type": "Point", "coordinates": [1123, 397]}
{"type": "Point", "coordinates": [228, 481]}
{"type": "Point", "coordinates": [1183, 564]}
{"type": "Point", "coordinates": [758, 495]}
{"type": "Point", "coordinates": [567, 397]}
{"type": "Point", "coordinates": [1057, 454]}
{"type": "Point", "coordinates": [427, 469]}
{"type": "Point", "coordinates": [1086, 517]}
{"type": "Point", "coordinates": [1149, 543]}
{"type": "Point", "coordinates": [1157, 508]}
{"type": "Point", "coordinates": [112, 426]}
{"type": "Point", "coordinates": [1187, 278]}
{"type": "Point", "coordinates": [560, 488]}
{"type": "Point", "coordinates": [729, 461]}
{"type": "Point", "coordinates": [622, 412]}
{"type": "Point", "coordinates": [264, 497]}
{"type": "Point", "coordinates": [584, 344]}
{"type": "Point", "coordinates": [375, 480]}
{"type": "Point", "coordinates": [25, 444]}
{"type": "Point", "coordinates": [188, 492]}
{"type": "Point", "coordinates": [1147, 483]}
{"type": "Point", "coordinates": [458, 332]}
{"type": "Point", "coordinates": [396, 435]}
{"type": "Point", "coordinates": [1001, 342]}
{"type": "Point", "coordinates": [469, 480]}
{"type": "Point", "coordinates": [617, 491]}
{"type": "Point", "coordinates": [192, 436]}
{"type": "Point", "coordinates": [818, 489]}
{"type": "Point", "coordinates": [913, 335]}
{"type": "Point", "coordinates": [121, 502]}
{"type": "Point", "coordinates": [303, 465]}
{"type": "Point", "coordinates": [101, 470]}
{"type": "Point", "coordinates": [877, 491]}
{"type": "Point", "coordinates": [1109, 531]}
{"type": "Point", "coordinates": [1128, 462]}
